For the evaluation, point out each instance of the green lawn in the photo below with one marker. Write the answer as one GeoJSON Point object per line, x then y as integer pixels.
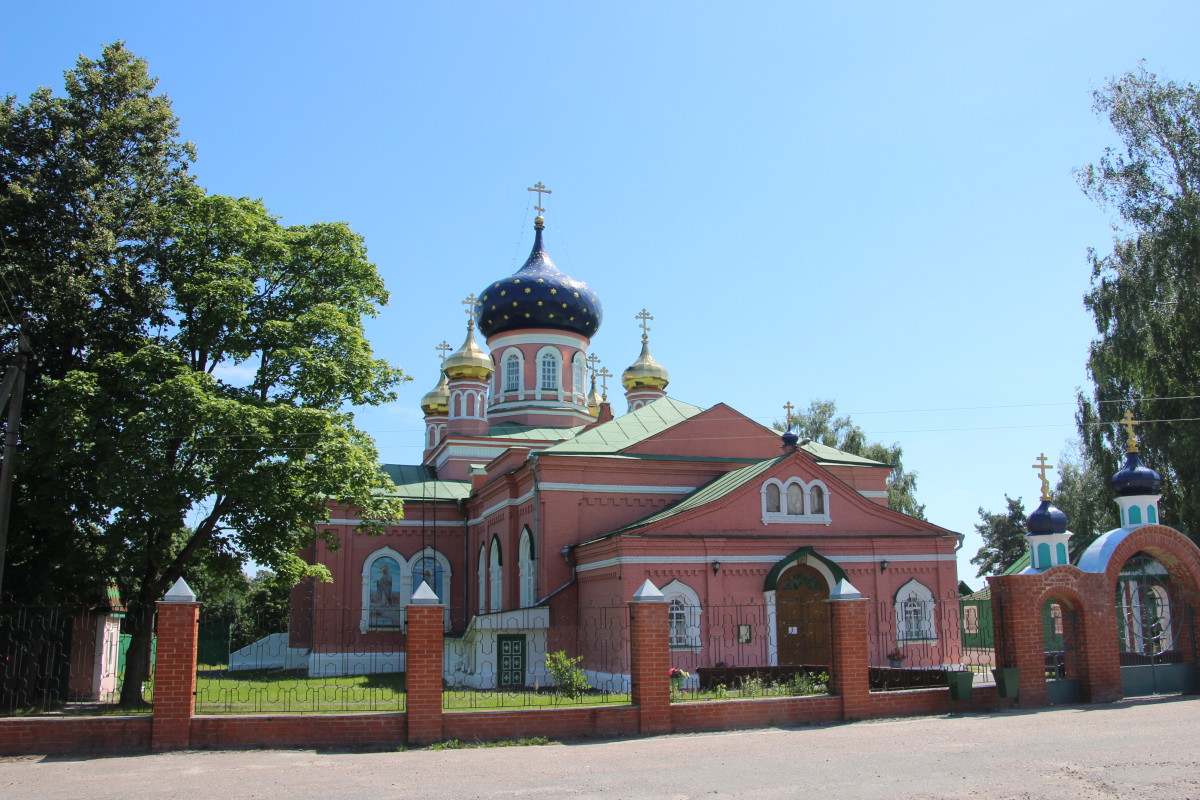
{"type": "Point", "coordinates": [264, 692]}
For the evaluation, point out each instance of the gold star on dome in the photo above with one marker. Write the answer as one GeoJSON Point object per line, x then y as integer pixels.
{"type": "Point", "coordinates": [554, 291]}
{"type": "Point", "coordinates": [551, 316]}
{"type": "Point", "coordinates": [528, 290]}
{"type": "Point", "coordinates": [539, 302]}
{"type": "Point", "coordinates": [541, 280]}
{"type": "Point", "coordinates": [516, 280]}
{"type": "Point", "coordinates": [575, 293]}
{"type": "Point", "coordinates": [526, 315]}
{"type": "Point", "coordinates": [503, 292]}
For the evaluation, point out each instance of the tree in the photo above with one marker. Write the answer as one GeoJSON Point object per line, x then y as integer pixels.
{"type": "Point", "coordinates": [138, 416]}
{"type": "Point", "coordinates": [1003, 538]}
{"type": "Point", "coordinates": [1084, 495]}
{"type": "Point", "coordinates": [1145, 294]}
{"type": "Point", "coordinates": [821, 424]}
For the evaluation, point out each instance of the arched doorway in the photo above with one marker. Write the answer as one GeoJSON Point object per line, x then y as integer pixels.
{"type": "Point", "coordinates": [802, 616]}
{"type": "Point", "coordinates": [1154, 630]}
{"type": "Point", "coordinates": [1060, 646]}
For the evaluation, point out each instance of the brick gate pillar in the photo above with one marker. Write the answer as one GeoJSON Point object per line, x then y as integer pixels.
{"type": "Point", "coordinates": [650, 653]}
{"type": "Point", "coordinates": [849, 677]}
{"type": "Point", "coordinates": [1102, 652]}
{"type": "Point", "coordinates": [1017, 631]}
{"type": "Point", "coordinates": [423, 667]}
{"type": "Point", "coordinates": [175, 669]}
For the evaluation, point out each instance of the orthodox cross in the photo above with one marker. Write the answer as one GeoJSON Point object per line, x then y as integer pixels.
{"type": "Point", "coordinates": [604, 375]}
{"type": "Point", "coordinates": [593, 364]}
{"type": "Point", "coordinates": [541, 189]}
{"type": "Point", "coordinates": [472, 302]}
{"type": "Point", "coordinates": [1128, 422]}
{"type": "Point", "coordinates": [443, 348]}
{"type": "Point", "coordinates": [1042, 467]}
{"type": "Point", "coordinates": [788, 407]}
{"type": "Point", "coordinates": [645, 317]}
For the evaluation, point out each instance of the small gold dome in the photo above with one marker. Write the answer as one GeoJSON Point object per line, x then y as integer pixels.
{"type": "Point", "coordinates": [645, 373]}
{"type": "Point", "coordinates": [469, 361]}
{"type": "Point", "coordinates": [437, 401]}
{"type": "Point", "coordinates": [594, 400]}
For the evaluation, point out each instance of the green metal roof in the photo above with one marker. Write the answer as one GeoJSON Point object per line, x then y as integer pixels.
{"type": "Point", "coordinates": [710, 492]}
{"type": "Point", "coordinates": [417, 482]}
{"type": "Point", "coordinates": [509, 430]}
{"type": "Point", "coordinates": [831, 455]}
{"type": "Point", "coordinates": [626, 431]}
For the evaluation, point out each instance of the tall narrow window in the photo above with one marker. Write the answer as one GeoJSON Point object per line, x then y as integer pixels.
{"type": "Point", "coordinates": [497, 583]}
{"type": "Point", "coordinates": [549, 371]}
{"type": "Point", "coordinates": [816, 497]}
{"type": "Point", "coordinates": [795, 499]}
{"type": "Point", "coordinates": [512, 373]}
{"type": "Point", "coordinates": [577, 374]}
{"type": "Point", "coordinates": [677, 622]}
{"type": "Point", "coordinates": [482, 578]}
{"type": "Point", "coordinates": [772, 499]}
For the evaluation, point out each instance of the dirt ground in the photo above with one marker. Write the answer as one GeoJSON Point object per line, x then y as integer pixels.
{"type": "Point", "coordinates": [1132, 749]}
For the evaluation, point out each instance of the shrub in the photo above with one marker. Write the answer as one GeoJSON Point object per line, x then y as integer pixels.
{"type": "Point", "coordinates": [569, 679]}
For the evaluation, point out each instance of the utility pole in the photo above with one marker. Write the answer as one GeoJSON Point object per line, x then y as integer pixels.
{"type": "Point", "coordinates": [12, 389]}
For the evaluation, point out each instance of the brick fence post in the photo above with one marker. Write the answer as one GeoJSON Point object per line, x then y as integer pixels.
{"type": "Point", "coordinates": [423, 667]}
{"type": "Point", "coordinates": [850, 678]}
{"type": "Point", "coordinates": [175, 669]}
{"type": "Point", "coordinates": [649, 650]}
{"type": "Point", "coordinates": [1017, 630]}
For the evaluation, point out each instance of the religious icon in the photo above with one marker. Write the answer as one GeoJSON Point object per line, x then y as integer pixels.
{"type": "Point", "coordinates": [385, 591]}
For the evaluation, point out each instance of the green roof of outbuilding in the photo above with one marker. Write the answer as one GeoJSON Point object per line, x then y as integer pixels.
{"type": "Point", "coordinates": [626, 431]}
{"type": "Point", "coordinates": [417, 482]}
{"type": "Point", "coordinates": [710, 492]}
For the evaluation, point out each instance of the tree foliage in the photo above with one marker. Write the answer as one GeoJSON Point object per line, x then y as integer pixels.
{"type": "Point", "coordinates": [192, 354]}
{"type": "Point", "coordinates": [1145, 294]}
{"type": "Point", "coordinates": [1003, 538]}
{"type": "Point", "coordinates": [821, 424]}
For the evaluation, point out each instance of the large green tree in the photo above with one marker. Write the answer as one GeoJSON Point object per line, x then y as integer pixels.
{"type": "Point", "coordinates": [820, 422]}
{"type": "Point", "coordinates": [193, 356]}
{"type": "Point", "coordinates": [1145, 293]}
{"type": "Point", "coordinates": [1003, 538]}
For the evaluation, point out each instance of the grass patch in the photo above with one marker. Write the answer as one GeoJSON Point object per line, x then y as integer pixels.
{"type": "Point", "coordinates": [287, 691]}
{"type": "Point", "coordinates": [455, 744]}
{"type": "Point", "coordinates": [475, 699]}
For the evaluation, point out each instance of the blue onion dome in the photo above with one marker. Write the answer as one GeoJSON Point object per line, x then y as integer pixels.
{"type": "Point", "coordinates": [1046, 518]}
{"type": "Point", "coordinates": [538, 295]}
{"type": "Point", "coordinates": [790, 437]}
{"type": "Point", "coordinates": [1135, 478]}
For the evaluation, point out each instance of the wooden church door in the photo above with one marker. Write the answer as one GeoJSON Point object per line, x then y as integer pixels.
{"type": "Point", "coordinates": [802, 617]}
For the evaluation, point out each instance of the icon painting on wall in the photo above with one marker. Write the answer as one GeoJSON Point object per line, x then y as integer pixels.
{"type": "Point", "coordinates": [385, 593]}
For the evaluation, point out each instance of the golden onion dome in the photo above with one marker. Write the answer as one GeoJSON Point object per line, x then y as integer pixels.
{"type": "Point", "coordinates": [437, 401]}
{"type": "Point", "coordinates": [469, 361]}
{"type": "Point", "coordinates": [594, 400]}
{"type": "Point", "coordinates": [645, 373]}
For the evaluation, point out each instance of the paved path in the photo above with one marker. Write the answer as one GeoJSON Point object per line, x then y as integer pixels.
{"type": "Point", "coordinates": [1134, 749]}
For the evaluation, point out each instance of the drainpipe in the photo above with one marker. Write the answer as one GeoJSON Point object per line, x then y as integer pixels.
{"type": "Point", "coordinates": [462, 510]}
{"type": "Point", "coordinates": [537, 536]}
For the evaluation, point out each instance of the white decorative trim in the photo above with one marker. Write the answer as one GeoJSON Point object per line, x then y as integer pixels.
{"type": "Point", "coordinates": [596, 487]}
{"type": "Point", "coordinates": [404, 523]}
{"type": "Point", "coordinates": [512, 501]}
{"type": "Point", "coordinates": [570, 340]}
{"type": "Point", "coordinates": [805, 517]}
{"type": "Point", "coordinates": [873, 492]}
{"type": "Point", "coordinates": [769, 559]}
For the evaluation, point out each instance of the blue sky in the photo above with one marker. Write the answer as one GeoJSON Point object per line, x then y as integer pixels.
{"type": "Point", "coordinates": [866, 202]}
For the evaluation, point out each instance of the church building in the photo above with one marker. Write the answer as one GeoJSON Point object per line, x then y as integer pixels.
{"type": "Point", "coordinates": [536, 508]}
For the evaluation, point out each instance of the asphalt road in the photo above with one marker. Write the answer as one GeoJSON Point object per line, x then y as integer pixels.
{"type": "Point", "coordinates": [1133, 749]}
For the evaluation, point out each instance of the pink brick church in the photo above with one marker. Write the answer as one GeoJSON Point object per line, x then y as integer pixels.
{"type": "Point", "coordinates": [534, 509]}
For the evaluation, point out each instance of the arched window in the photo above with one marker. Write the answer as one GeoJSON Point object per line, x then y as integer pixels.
{"type": "Point", "coordinates": [683, 615]}
{"type": "Point", "coordinates": [384, 575]}
{"type": "Point", "coordinates": [795, 499]}
{"type": "Point", "coordinates": [427, 570]}
{"type": "Point", "coordinates": [577, 374]}
{"type": "Point", "coordinates": [497, 582]}
{"type": "Point", "coordinates": [816, 500]}
{"type": "Point", "coordinates": [482, 578]}
{"type": "Point", "coordinates": [1135, 515]}
{"type": "Point", "coordinates": [527, 570]}
{"type": "Point", "coordinates": [772, 498]}
{"type": "Point", "coordinates": [512, 372]}
{"type": "Point", "coordinates": [1043, 556]}
{"type": "Point", "coordinates": [549, 363]}
{"type": "Point", "coordinates": [914, 612]}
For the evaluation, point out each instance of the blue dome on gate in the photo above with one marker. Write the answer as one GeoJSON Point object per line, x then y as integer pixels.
{"type": "Point", "coordinates": [1046, 518]}
{"type": "Point", "coordinates": [538, 295]}
{"type": "Point", "coordinates": [1135, 478]}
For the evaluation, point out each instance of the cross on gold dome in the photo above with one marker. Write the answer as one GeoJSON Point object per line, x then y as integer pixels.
{"type": "Point", "coordinates": [541, 189]}
{"type": "Point", "coordinates": [604, 375]}
{"type": "Point", "coordinates": [472, 303]}
{"type": "Point", "coordinates": [593, 363]}
{"type": "Point", "coordinates": [443, 348]}
{"type": "Point", "coordinates": [788, 407]}
{"type": "Point", "coordinates": [1128, 422]}
{"type": "Point", "coordinates": [1042, 467]}
{"type": "Point", "coordinates": [645, 317]}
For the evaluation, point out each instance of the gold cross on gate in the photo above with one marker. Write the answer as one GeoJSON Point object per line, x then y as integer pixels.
{"type": "Point", "coordinates": [443, 348]}
{"type": "Point", "coordinates": [1128, 422]}
{"type": "Point", "coordinates": [788, 407]}
{"type": "Point", "coordinates": [541, 189]}
{"type": "Point", "coordinates": [645, 317]}
{"type": "Point", "coordinates": [604, 375]}
{"type": "Point", "coordinates": [1042, 467]}
{"type": "Point", "coordinates": [472, 303]}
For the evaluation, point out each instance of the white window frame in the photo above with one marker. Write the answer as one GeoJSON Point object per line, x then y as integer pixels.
{"type": "Point", "coordinates": [444, 563]}
{"type": "Point", "coordinates": [364, 623]}
{"type": "Point", "coordinates": [496, 575]}
{"type": "Point", "coordinates": [805, 488]}
{"type": "Point", "coordinates": [527, 569]}
{"type": "Point", "coordinates": [682, 597]}
{"type": "Point", "coordinates": [513, 356]}
{"type": "Point", "coordinates": [915, 608]}
{"type": "Point", "coordinates": [578, 378]}
{"type": "Point", "coordinates": [545, 355]}
{"type": "Point", "coordinates": [482, 578]}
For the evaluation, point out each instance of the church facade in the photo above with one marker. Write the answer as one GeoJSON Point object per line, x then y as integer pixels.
{"type": "Point", "coordinates": [535, 509]}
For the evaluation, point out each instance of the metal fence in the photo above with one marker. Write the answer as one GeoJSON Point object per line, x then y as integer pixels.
{"type": "Point", "coordinates": [913, 642]}
{"type": "Point", "coordinates": [65, 658]}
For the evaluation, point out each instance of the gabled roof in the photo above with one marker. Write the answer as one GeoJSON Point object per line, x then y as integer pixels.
{"type": "Point", "coordinates": [831, 455]}
{"type": "Point", "coordinates": [417, 482]}
{"type": "Point", "coordinates": [625, 431]}
{"type": "Point", "coordinates": [710, 492]}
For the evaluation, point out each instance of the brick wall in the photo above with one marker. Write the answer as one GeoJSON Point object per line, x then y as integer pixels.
{"type": "Point", "coordinates": [175, 675]}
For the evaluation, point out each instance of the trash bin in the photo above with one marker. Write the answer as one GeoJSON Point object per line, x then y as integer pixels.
{"type": "Point", "coordinates": [960, 682]}
{"type": "Point", "coordinates": [1008, 680]}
